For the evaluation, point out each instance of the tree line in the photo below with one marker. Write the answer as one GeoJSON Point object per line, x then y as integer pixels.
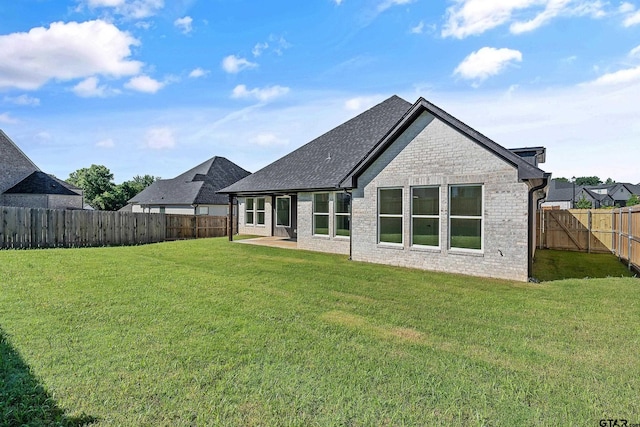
{"type": "Point", "coordinates": [101, 192]}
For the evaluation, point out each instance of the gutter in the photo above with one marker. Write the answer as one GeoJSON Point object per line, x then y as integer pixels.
{"type": "Point", "coordinates": [530, 220]}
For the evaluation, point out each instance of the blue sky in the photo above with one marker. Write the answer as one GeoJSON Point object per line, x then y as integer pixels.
{"type": "Point", "coordinates": [158, 86]}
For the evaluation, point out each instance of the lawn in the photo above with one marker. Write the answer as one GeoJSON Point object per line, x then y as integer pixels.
{"type": "Point", "coordinates": [209, 332]}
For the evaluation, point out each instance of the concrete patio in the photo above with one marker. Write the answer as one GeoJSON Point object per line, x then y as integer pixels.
{"type": "Point", "coordinates": [276, 242]}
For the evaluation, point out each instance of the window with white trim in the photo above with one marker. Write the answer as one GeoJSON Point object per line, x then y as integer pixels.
{"type": "Point", "coordinates": [250, 211]}
{"type": "Point", "coordinates": [283, 211]}
{"type": "Point", "coordinates": [465, 217]}
{"type": "Point", "coordinates": [321, 214]}
{"type": "Point", "coordinates": [390, 219]}
{"type": "Point", "coordinates": [260, 210]}
{"type": "Point", "coordinates": [425, 216]}
{"type": "Point", "coordinates": [342, 222]}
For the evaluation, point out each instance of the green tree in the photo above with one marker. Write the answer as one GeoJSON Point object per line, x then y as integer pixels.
{"type": "Point", "coordinates": [583, 203]}
{"type": "Point", "coordinates": [95, 181]}
{"type": "Point", "coordinates": [588, 180]}
{"type": "Point", "coordinates": [562, 179]}
{"type": "Point", "coordinates": [633, 200]}
{"type": "Point", "coordinates": [610, 181]}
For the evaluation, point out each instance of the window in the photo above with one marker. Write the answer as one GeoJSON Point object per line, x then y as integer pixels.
{"type": "Point", "coordinates": [250, 211]}
{"type": "Point", "coordinates": [260, 211]}
{"type": "Point", "coordinates": [321, 214]}
{"type": "Point", "coordinates": [283, 211]}
{"type": "Point", "coordinates": [425, 216]}
{"type": "Point", "coordinates": [390, 215]}
{"type": "Point", "coordinates": [203, 210]}
{"type": "Point", "coordinates": [465, 217]}
{"type": "Point", "coordinates": [343, 214]}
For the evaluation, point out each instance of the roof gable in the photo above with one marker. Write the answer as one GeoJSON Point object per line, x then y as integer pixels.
{"type": "Point", "coordinates": [525, 169]}
{"type": "Point", "coordinates": [195, 186]}
{"type": "Point", "coordinates": [14, 164]}
{"type": "Point", "coordinates": [325, 161]}
{"type": "Point", "coordinates": [41, 183]}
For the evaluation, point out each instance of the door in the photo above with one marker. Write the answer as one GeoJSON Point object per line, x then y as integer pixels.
{"type": "Point", "coordinates": [285, 214]}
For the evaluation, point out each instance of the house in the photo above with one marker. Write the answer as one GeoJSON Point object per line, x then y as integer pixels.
{"type": "Point", "coordinates": [406, 185]}
{"type": "Point", "coordinates": [23, 184]}
{"type": "Point", "coordinates": [565, 195]}
{"type": "Point", "coordinates": [191, 193]}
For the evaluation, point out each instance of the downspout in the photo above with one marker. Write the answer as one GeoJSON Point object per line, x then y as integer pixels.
{"type": "Point", "coordinates": [350, 224]}
{"type": "Point", "coordinates": [230, 218]}
{"type": "Point", "coordinates": [530, 221]}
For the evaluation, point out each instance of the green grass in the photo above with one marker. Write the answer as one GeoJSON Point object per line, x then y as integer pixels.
{"type": "Point", "coordinates": [209, 332]}
{"type": "Point", "coordinates": [557, 265]}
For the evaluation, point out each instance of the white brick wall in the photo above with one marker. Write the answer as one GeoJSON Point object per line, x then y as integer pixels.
{"type": "Point", "coordinates": [306, 239]}
{"type": "Point", "coordinates": [258, 230]}
{"type": "Point", "coordinates": [432, 153]}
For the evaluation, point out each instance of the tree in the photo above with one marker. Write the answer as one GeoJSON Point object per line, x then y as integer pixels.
{"type": "Point", "coordinates": [633, 200]}
{"type": "Point", "coordinates": [102, 193]}
{"type": "Point", "coordinates": [583, 203]}
{"type": "Point", "coordinates": [562, 179]}
{"type": "Point", "coordinates": [610, 181]}
{"type": "Point", "coordinates": [588, 180]}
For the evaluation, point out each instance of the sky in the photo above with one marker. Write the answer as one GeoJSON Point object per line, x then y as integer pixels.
{"type": "Point", "coordinates": [159, 86]}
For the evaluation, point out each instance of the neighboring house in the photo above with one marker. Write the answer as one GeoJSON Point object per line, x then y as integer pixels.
{"type": "Point", "coordinates": [22, 184]}
{"type": "Point", "coordinates": [405, 185]}
{"type": "Point", "coordinates": [565, 195]}
{"type": "Point", "coordinates": [191, 193]}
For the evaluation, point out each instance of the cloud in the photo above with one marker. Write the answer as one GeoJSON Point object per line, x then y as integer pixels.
{"type": "Point", "coordinates": [361, 102]}
{"type": "Point", "coordinates": [632, 19]}
{"type": "Point", "coordinates": [626, 76]}
{"type": "Point", "coordinates": [144, 84]}
{"type": "Point", "coordinates": [233, 64]}
{"type": "Point", "coordinates": [386, 4]}
{"type": "Point", "coordinates": [261, 94]}
{"type": "Point", "coordinates": [635, 52]}
{"type": "Point", "coordinates": [184, 24]}
{"type": "Point", "coordinates": [24, 100]}
{"type": "Point", "coordinates": [197, 73]}
{"type": "Point", "coordinates": [259, 48]}
{"type": "Point", "coordinates": [418, 29]}
{"type": "Point", "coordinates": [338, 2]}
{"type": "Point", "coordinates": [472, 17]}
{"type": "Point", "coordinates": [65, 51]}
{"type": "Point", "coordinates": [5, 118]}
{"type": "Point", "coordinates": [486, 62]}
{"type": "Point", "coordinates": [106, 143]}
{"type": "Point", "coordinates": [89, 88]}
{"type": "Point", "coordinates": [626, 7]}
{"type": "Point", "coordinates": [268, 140]}
{"type": "Point", "coordinates": [161, 138]}
{"type": "Point", "coordinates": [133, 9]}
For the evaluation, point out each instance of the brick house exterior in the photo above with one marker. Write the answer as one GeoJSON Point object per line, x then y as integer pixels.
{"type": "Point", "coordinates": [429, 192]}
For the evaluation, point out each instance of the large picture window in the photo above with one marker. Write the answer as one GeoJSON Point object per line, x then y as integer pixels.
{"type": "Point", "coordinates": [260, 211]}
{"type": "Point", "coordinates": [283, 211]}
{"type": "Point", "coordinates": [250, 211]}
{"type": "Point", "coordinates": [321, 214]}
{"type": "Point", "coordinates": [425, 216]}
{"type": "Point", "coordinates": [343, 214]}
{"type": "Point", "coordinates": [390, 215]}
{"type": "Point", "coordinates": [465, 217]}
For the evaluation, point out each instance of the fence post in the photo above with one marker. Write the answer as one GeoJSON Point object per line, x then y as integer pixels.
{"type": "Point", "coordinates": [629, 239]}
{"type": "Point", "coordinates": [589, 231]}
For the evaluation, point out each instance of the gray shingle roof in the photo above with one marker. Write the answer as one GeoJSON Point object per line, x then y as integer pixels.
{"type": "Point", "coordinates": [197, 186]}
{"type": "Point", "coordinates": [14, 164]}
{"type": "Point", "coordinates": [325, 161]}
{"type": "Point", "coordinates": [41, 183]}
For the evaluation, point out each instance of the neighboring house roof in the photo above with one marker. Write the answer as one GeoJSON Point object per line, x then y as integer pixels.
{"type": "Point", "coordinates": [197, 186]}
{"type": "Point", "coordinates": [337, 158]}
{"type": "Point", "coordinates": [41, 183]}
{"type": "Point", "coordinates": [325, 161]}
{"type": "Point", "coordinates": [14, 164]}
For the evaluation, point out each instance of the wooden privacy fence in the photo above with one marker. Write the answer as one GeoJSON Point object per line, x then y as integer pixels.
{"type": "Point", "coordinates": [614, 231]}
{"type": "Point", "coordinates": [23, 228]}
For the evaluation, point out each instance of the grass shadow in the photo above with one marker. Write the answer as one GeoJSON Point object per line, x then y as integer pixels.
{"type": "Point", "coordinates": [558, 265]}
{"type": "Point", "coordinates": [23, 400]}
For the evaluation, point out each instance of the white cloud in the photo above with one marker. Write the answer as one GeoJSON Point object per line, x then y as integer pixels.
{"type": "Point", "coordinates": [7, 119]}
{"type": "Point", "coordinates": [632, 19]}
{"type": "Point", "coordinates": [338, 2]}
{"type": "Point", "coordinates": [472, 17]}
{"type": "Point", "coordinates": [261, 94]}
{"type": "Point", "coordinates": [626, 76]}
{"type": "Point", "coordinates": [361, 102]}
{"type": "Point", "coordinates": [198, 72]}
{"type": "Point", "coordinates": [259, 48]}
{"type": "Point", "coordinates": [161, 138]}
{"type": "Point", "coordinates": [134, 9]}
{"type": "Point", "coordinates": [233, 64]}
{"type": "Point", "coordinates": [184, 24]}
{"type": "Point", "coordinates": [89, 88]}
{"type": "Point", "coordinates": [626, 7]}
{"type": "Point", "coordinates": [418, 29]}
{"type": "Point", "coordinates": [268, 140]}
{"type": "Point", "coordinates": [386, 4]}
{"type": "Point", "coordinates": [144, 84]}
{"type": "Point", "coordinates": [487, 62]}
{"type": "Point", "coordinates": [65, 51]}
{"type": "Point", "coordinates": [106, 143]}
{"type": "Point", "coordinates": [25, 100]}
{"type": "Point", "coordinates": [635, 52]}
